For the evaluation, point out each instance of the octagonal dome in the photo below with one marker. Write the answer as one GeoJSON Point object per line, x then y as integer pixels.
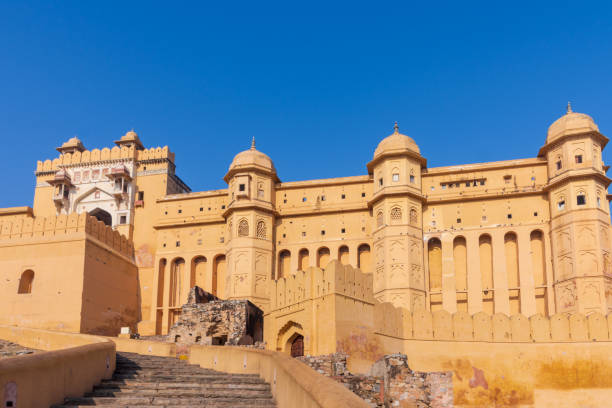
{"type": "Point", "coordinates": [569, 124]}
{"type": "Point", "coordinates": [252, 157]}
{"type": "Point", "coordinates": [396, 143]}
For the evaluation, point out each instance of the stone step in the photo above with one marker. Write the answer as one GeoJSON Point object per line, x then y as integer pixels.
{"type": "Point", "coordinates": [199, 378]}
{"type": "Point", "coordinates": [161, 401]}
{"type": "Point", "coordinates": [175, 405]}
{"type": "Point", "coordinates": [156, 382]}
{"type": "Point", "coordinates": [121, 385]}
{"type": "Point", "coordinates": [180, 393]}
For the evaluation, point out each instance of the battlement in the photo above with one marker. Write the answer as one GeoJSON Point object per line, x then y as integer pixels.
{"type": "Point", "coordinates": [61, 225]}
{"type": "Point", "coordinates": [105, 154]}
{"type": "Point", "coordinates": [440, 325]}
{"type": "Point", "coordinates": [316, 282]}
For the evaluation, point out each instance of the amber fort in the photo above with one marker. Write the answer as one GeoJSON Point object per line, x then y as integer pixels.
{"type": "Point", "coordinates": [497, 276]}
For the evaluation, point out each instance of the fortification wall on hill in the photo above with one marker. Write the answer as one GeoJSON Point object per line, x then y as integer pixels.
{"type": "Point", "coordinates": [441, 325]}
{"type": "Point", "coordinates": [40, 227]}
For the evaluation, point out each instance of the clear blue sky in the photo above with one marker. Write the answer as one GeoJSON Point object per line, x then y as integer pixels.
{"type": "Point", "coordinates": [318, 85]}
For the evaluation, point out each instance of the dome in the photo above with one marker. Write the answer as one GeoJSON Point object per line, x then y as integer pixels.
{"type": "Point", "coordinates": [569, 124]}
{"type": "Point", "coordinates": [130, 139]}
{"type": "Point", "coordinates": [396, 143]}
{"type": "Point", "coordinates": [130, 136]}
{"type": "Point", "coordinates": [71, 145]}
{"type": "Point", "coordinates": [252, 157]}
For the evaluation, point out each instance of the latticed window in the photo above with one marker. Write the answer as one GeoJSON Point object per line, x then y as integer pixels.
{"type": "Point", "coordinates": [243, 228]}
{"type": "Point", "coordinates": [413, 216]}
{"type": "Point", "coordinates": [379, 219]}
{"type": "Point", "coordinates": [396, 214]}
{"type": "Point", "coordinates": [261, 229]}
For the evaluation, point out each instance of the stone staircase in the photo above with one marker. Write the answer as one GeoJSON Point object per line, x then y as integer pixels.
{"type": "Point", "coordinates": [149, 381]}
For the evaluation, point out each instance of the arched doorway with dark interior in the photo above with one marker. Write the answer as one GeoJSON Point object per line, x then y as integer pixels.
{"type": "Point", "coordinates": [103, 216]}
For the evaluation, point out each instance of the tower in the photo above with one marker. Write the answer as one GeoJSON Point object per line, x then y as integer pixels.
{"type": "Point", "coordinates": [250, 218]}
{"type": "Point", "coordinates": [397, 210]}
{"type": "Point", "coordinates": [580, 218]}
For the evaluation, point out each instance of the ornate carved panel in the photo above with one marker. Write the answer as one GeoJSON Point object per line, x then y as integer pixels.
{"type": "Point", "coordinates": [566, 296]}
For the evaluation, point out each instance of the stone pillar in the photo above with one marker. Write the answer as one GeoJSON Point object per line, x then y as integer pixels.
{"type": "Point", "coordinates": [500, 278]}
{"type": "Point", "coordinates": [473, 274]}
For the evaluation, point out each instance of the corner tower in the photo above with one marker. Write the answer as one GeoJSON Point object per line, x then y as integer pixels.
{"type": "Point", "coordinates": [250, 218]}
{"type": "Point", "coordinates": [580, 218]}
{"type": "Point", "coordinates": [396, 206]}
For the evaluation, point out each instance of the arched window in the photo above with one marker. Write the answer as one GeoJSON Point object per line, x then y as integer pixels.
{"type": "Point", "coordinates": [581, 198]}
{"type": "Point", "coordinates": [396, 214]}
{"type": "Point", "coordinates": [25, 283]}
{"type": "Point", "coordinates": [243, 228]}
{"type": "Point", "coordinates": [379, 219]}
{"type": "Point", "coordinates": [284, 263]}
{"type": "Point", "coordinates": [261, 230]}
{"type": "Point", "coordinates": [395, 177]}
{"type": "Point", "coordinates": [413, 216]}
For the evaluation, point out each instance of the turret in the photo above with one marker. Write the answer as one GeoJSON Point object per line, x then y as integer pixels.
{"type": "Point", "coordinates": [250, 218]}
{"type": "Point", "coordinates": [580, 219]}
{"type": "Point", "coordinates": [397, 211]}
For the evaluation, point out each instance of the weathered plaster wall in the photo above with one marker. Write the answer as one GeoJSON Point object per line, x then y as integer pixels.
{"type": "Point", "coordinates": [71, 366]}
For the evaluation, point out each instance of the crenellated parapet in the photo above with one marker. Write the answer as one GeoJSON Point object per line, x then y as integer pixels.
{"type": "Point", "coordinates": [104, 155]}
{"type": "Point", "coordinates": [62, 225]}
{"type": "Point", "coordinates": [316, 282]}
{"type": "Point", "coordinates": [403, 324]}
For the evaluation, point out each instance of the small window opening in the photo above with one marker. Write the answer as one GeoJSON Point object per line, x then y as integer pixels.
{"type": "Point", "coordinates": [285, 201]}
{"type": "Point", "coordinates": [322, 232]}
{"type": "Point", "coordinates": [467, 184]}
{"type": "Point", "coordinates": [343, 230]}
{"type": "Point", "coordinates": [322, 198]}
{"type": "Point", "coordinates": [123, 219]}
{"type": "Point", "coordinates": [535, 214]}
{"type": "Point", "coordinates": [581, 199]}
{"type": "Point", "coordinates": [598, 202]}
{"type": "Point", "coordinates": [395, 177]}
{"type": "Point", "coordinates": [443, 186]}
{"type": "Point", "coordinates": [164, 245]}
{"type": "Point", "coordinates": [241, 187]}
{"type": "Point", "coordinates": [141, 195]}
{"type": "Point", "coordinates": [343, 196]}
{"type": "Point", "coordinates": [180, 211]}
{"type": "Point", "coordinates": [178, 243]}
{"type": "Point", "coordinates": [303, 233]}
{"type": "Point", "coordinates": [482, 182]}
{"type": "Point", "coordinates": [201, 209]}
{"type": "Point", "coordinates": [509, 216]}
{"type": "Point", "coordinates": [223, 207]}
{"type": "Point", "coordinates": [380, 181]}
{"type": "Point", "coordinates": [559, 165]}
{"type": "Point", "coordinates": [458, 220]}
{"type": "Point", "coordinates": [412, 178]}
{"type": "Point", "coordinates": [578, 158]}
{"type": "Point", "coordinates": [484, 217]}
{"type": "Point", "coordinates": [561, 204]}
{"type": "Point", "coordinates": [363, 194]}
{"type": "Point", "coordinates": [284, 235]}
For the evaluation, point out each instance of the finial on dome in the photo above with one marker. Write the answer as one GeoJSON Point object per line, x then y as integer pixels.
{"type": "Point", "coordinates": [253, 143]}
{"type": "Point", "coordinates": [395, 128]}
{"type": "Point", "coordinates": [569, 107]}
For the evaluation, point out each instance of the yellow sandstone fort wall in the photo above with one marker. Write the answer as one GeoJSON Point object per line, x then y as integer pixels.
{"type": "Point", "coordinates": [82, 275]}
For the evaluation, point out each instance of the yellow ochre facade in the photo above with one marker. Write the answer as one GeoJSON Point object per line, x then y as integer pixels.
{"type": "Point", "coordinates": [517, 237]}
